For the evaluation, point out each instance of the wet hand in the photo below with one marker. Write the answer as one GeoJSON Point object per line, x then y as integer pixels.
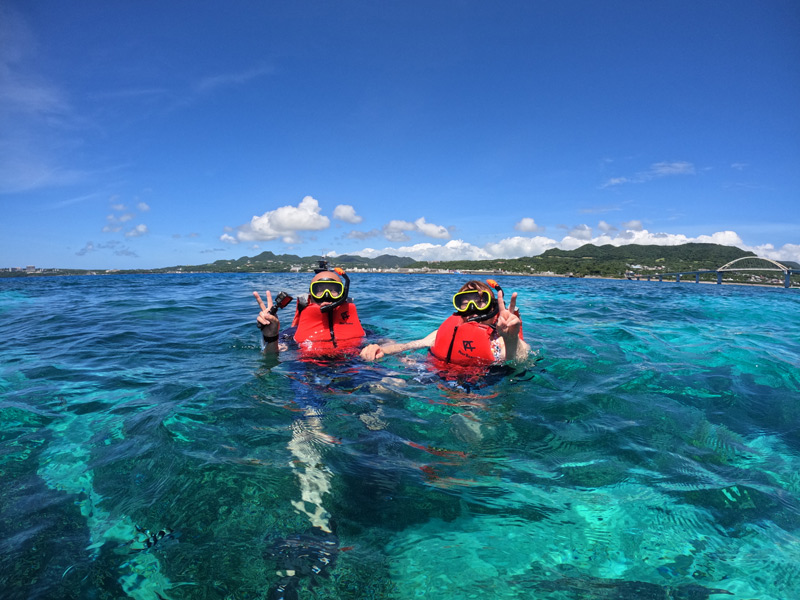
{"type": "Point", "coordinates": [372, 352]}
{"type": "Point", "coordinates": [267, 322]}
{"type": "Point", "coordinates": [508, 322]}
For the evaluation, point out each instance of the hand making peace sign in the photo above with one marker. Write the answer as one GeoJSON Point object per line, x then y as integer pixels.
{"type": "Point", "coordinates": [508, 321]}
{"type": "Point", "coordinates": [267, 321]}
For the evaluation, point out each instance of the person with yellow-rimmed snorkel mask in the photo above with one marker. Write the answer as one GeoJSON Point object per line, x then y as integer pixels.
{"type": "Point", "coordinates": [481, 331]}
{"type": "Point", "coordinates": [326, 322]}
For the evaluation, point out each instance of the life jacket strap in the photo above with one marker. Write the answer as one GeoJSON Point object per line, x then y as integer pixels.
{"type": "Point", "coordinates": [452, 341]}
{"type": "Point", "coordinates": [330, 327]}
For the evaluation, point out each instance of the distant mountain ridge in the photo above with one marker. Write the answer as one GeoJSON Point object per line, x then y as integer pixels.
{"type": "Point", "coordinates": [270, 262]}
{"type": "Point", "coordinates": [639, 252]}
{"type": "Point", "coordinates": [591, 260]}
{"type": "Point", "coordinates": [610, 261]}
{"type": "Point", "coordinates": [588, 260]}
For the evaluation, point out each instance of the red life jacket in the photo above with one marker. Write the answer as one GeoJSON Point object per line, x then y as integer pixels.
{"type": "Point", "coordinates": [463, 343]}
{"type": "Point", "coordinates": [325, 332]}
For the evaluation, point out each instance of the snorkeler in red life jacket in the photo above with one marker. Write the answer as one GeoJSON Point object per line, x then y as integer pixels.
{"type": "Point", "coordinates": [326, 322]}
{"type": "Point", "coordinates": [482, 331]}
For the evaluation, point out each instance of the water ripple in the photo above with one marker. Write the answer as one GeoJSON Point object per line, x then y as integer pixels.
{"type": "Point", "coordinates": [653, 446]}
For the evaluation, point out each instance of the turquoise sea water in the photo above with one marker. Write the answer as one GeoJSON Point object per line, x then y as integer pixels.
{"type": "Point", "coordinates": [148, 450]}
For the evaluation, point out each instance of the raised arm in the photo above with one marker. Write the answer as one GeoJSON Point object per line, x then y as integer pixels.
{"type": "Point", "coordinates": [268, 323]}
{"type": "Point", "coordinates": [374, 351]}
{"type": "Point", "coordinates": [509, 326]}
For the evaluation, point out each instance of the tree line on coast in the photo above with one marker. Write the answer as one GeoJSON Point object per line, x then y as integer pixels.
{"type": "Point", "coordinates": [587, 261]}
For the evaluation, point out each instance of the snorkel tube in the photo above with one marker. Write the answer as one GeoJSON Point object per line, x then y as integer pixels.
{"type": "Point", "coordinates": [339, 271]}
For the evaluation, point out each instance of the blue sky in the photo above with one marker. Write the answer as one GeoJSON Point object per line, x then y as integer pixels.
{"type": "Point", "coordinates": [150, 134]}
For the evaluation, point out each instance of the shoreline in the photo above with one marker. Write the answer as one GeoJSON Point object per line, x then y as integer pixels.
{"type": "Point", "coordinates": [402, 272]}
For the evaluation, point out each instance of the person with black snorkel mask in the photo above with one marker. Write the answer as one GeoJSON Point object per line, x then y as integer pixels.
{"type": "Point", "coordinates": [481, 331]}
{"type": "Point", "coordinates": [326, 321]}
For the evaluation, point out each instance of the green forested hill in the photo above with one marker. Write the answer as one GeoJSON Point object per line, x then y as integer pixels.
{"type": "Point", "coordinates": [693, 252]}
{"type": "Point", "coordinates": [610, 261]}
{"type": "Point", "coordinates": [277, 263]}
{"type": "Point", "coordinates": [588, 260]}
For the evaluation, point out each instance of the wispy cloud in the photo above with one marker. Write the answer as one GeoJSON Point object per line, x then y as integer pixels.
{"type": "Point", "coordinates": [75, 200]}
{"type": "Point", "coordinates": [616, 181]}
{"type": "Point", "coordinates": [363, 235]}
{"type": "Point", "coordinates": [214, 82]}
{"type": "Point", "coordinates": [114, 246]}
{"type": "Point", "coordinates": [130, 94]}
{"type": "Point", "coordinates": [663, 169]}
{"type": "Point", "coordinates": [23, 169]}
{"type": "Point", "coordinates": [596, 210]}
{"type": "Point", "coordinates": [36, 117]}
{"type": "Point", "coordinates": [22, 90]}
{"type": "Point", "coordinates": [656, 171]}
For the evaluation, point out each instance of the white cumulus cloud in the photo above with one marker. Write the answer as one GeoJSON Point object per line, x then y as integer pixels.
{"type": "Point", "coordinates": [452, 250]}
{"type": "Point", "coordinates": [282, 223]}
{"type": "Point", "coordinates": [605, 227]}
{"type": "Point", "coordinates": [633, 225]}
{"type": "Point", "coordinates": [528, 225]}
{"type": "Point", "coordinates": [114, 222]}
{"type": "Point", "coordinates": [518, 246]}
{"type": "Point", "coordinates": [395, 230]}
{"type": "Point", "coordinates": [786, 252]}
{"type": "Point", "coordinates": [431, 230]}
{"type": "Point", "coordinates": [137, 231]}
{"type": "Point", "coordinates": [346, 213]}
{"type": "Point", "coordinates": [581, 232]}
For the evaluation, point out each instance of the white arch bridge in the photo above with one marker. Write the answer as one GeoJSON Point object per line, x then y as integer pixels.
{"type": "Point", "coordinates": [740, 265]}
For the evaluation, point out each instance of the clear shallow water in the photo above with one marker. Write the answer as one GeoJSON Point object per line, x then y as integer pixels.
{"type": "Point", "coordinates": [652, 451]}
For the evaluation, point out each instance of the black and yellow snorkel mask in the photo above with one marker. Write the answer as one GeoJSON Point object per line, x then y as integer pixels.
{"type": "Point", "coordinates": [475, 305]}
{"type": "Point", "coordinates": [330, 290]}
{"type": "Point", "coordinates": [472, 302]}
{"type": "Point", "coordinates": [326, 290]}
